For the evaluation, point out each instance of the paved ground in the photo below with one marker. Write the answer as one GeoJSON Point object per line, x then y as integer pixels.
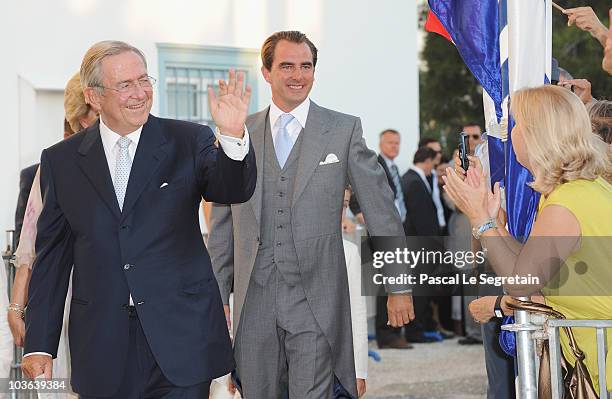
{"type": "Point", "coordinates": [429, 371]}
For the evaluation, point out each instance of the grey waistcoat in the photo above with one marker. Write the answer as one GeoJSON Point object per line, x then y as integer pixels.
{"type": "Point", "coordinates": [277, 249]}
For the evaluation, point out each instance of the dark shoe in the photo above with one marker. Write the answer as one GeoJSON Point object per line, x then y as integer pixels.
{"type": "Point", "coordinates": [397, 343]}
{"type": "Point", "coordinates": [470, 341]}
{"type": "Point", "coordinates": [425, 338]}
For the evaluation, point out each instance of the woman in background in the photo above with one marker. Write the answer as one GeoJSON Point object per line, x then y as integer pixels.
{"type": "Point", "coordinates": [79, 115]}
{"type": "Point", "coordinates": [359, 321]}
{"type": "Point", "coordinates": [600, 113]}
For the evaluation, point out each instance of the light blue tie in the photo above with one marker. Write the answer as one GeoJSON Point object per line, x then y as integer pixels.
{"type": "Point", "coordinates": [122, 169]}
{"type": "Point", "coordinates": [283, 143]}
{"type": "Point", "coordinates": [399, 194]}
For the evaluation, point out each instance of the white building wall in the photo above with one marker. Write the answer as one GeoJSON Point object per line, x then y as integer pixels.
{"type": "Point", "coordinates": [367, 60]}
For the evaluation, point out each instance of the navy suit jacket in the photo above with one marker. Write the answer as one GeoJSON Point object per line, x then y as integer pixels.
{"type": "Point", "coordinates": [153, 250]}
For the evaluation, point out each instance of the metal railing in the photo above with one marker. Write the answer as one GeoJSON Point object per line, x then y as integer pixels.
{"type": "Point", "coordinates": [529, 328]}
{"type": "Point", "coordinates": [600, 327]}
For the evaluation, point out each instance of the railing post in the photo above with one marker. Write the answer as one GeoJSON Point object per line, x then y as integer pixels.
{"type": "Point", "coordinates": [525, 353]}
{"type": "Point", "coordinates": [602, 350]}
{"type": "Point", "coordinates": [554, 347]}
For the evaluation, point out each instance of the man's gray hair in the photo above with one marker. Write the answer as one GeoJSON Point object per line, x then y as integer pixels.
{"type": "Point", "coordinates": [91, 75]}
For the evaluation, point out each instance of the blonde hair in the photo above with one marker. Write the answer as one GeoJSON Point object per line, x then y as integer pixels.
{"type": "Point", "coordinates": [67, 128]}
{"type": "Point", "coordinates": [75, 106]}
{"type": "Point", "coordinates": [91, 76]}
{"type": "Point", "coordinates": [557, 133]}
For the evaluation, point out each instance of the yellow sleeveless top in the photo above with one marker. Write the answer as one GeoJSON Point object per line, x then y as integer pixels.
{"type": "Point", "coordinates": [591, 203]}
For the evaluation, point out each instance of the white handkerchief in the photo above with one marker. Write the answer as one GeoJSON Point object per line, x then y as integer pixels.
{"type": "Point", "coordinates": [164, 184]}
{"type": "Point", "coordinates": [330, 158]}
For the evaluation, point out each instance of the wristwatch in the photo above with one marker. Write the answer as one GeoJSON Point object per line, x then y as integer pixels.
{"type": "Point", "coordinates": [499, 313]}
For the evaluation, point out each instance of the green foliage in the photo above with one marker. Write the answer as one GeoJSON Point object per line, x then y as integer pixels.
{"type": "Point", "coordinates": [578, 51]}
{"type": "Point", "coordinates": [450, 96]}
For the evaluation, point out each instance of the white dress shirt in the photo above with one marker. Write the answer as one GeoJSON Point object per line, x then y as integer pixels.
{"type": "Point", "coordinates": [111, 149]}
{"type": "Point", "coordinates": [436, 199]}
{"type": "Point", "coordinates": [434, 192]}
{"type": "Point", "coordinates": [300, 114]}
{"type": "Point", "coordinates": [359, 322]}
{"type": "Point", "coordinates": [421, 174]}
{"type": "Point", "coordinates": [234, 148]}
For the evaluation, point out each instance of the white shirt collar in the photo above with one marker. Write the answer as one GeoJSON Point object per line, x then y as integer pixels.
{"type": "Point", "coordinates": [110, 138]}
{"type": "Point", "coordinates": [300, 113]}
{"type": "Point", "coordinates": [389, 162]}
{"type": "Point", "coordinates": [421, 173]}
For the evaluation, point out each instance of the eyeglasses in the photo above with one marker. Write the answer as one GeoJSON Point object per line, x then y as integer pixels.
{"type": "Point", "coordinates": [145, 83]}
{"type": "Point", "coordinates": [474, 136]}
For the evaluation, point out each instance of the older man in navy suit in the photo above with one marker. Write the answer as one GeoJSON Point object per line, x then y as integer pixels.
{"type": "Point", "coordinates": [121, 209]}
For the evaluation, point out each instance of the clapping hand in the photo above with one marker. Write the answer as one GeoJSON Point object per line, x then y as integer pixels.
{"type": "Point", "coordinates": [230, 108]}
{"type": "Point", "coordinates": [472, 195]}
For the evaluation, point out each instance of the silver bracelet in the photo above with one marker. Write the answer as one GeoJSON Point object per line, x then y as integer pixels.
{"type": "Point", "coordinates": [477, 231]}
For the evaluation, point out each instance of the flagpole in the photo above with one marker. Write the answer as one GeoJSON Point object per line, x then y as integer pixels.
{"type": "Point", "coordinates": [526, 383]}
{"type": "Point", "coordinates": [518, 74]}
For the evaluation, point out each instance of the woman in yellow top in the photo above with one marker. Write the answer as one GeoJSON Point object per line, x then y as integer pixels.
{"type": "Point", "coordinates": [572, 169]}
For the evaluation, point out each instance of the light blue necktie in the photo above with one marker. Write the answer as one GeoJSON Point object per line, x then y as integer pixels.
{"type": "Point", "coordinates": [122, 169]}
{"type": "Point", "coordinates": [283, 143]}
{"type": "Point", "coordinates": [399, 194]}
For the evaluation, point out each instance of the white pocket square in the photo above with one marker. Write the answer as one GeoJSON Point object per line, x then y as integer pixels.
{"type": "Point", "coordinates": [164, 184]}
{"type": "Point", "coordinates": [330, 158]}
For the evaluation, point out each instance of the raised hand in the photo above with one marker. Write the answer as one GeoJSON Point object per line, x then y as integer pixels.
{"type": "Point", "coordinates": [606, 63]}
{"type": "Point", "coordinates": [585, 19]}
{"type": "Point", "coordinates": [581, 87]}
{"type": "Point", "coordinates": [230, 108]}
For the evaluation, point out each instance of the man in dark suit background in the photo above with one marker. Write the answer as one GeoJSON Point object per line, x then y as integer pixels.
{"type": "Point", "coordinates": [121, 203]}
{"type": "Point", "coordinates": [421, 212]}
{"type": "Point", "coordinates": [421, 220]}
{"type": "Point", "coordinates": [26, 179]}
{"type": "Point", "coordinates": [443, 302]}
